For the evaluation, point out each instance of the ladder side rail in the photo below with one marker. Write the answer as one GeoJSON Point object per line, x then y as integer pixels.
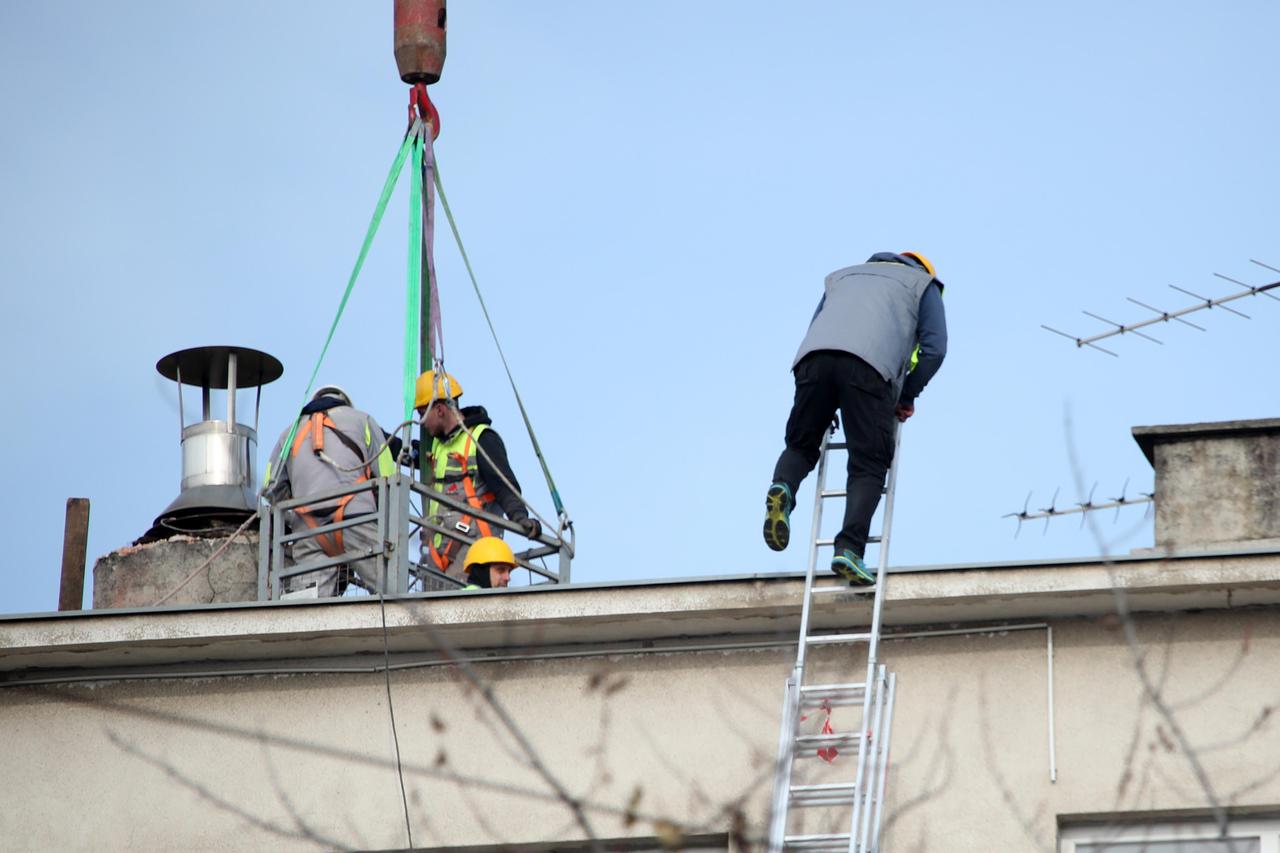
{"type": "Point", "coordinates": [874, 643]}
{"type": "Point", "coordinates": [882, 572]}
{"type": "Point", "coordinates": [816, 529]}
{"type": "Point", "coordinates": [884, 767]}
{"type": "Point", "coordinates": [865, 743]}
{"type": "Point", "coordinates": [865, 805]}
{"type": "Point", "coordinates": [782, 771]}
{"type": "Point", "coordinates": [791, 702]}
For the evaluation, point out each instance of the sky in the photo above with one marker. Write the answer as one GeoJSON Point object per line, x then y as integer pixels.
{"type": "Point", "coordinates": [651, 195]}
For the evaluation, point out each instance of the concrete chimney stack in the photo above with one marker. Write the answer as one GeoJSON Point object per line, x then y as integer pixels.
{"type": "Point", "coordinates": [218, 494]}
{"type": "Point", "coordinates": [1217, 484]}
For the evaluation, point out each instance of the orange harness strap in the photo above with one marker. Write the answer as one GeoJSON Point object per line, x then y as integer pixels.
{"type": "Point", "coordinates": [331, 543]}
{"type": "Point", "coordinates": [443, 556]}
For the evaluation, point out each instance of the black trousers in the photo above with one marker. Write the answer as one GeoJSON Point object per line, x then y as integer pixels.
{"type": "Point", "coordinates": [828, 380]}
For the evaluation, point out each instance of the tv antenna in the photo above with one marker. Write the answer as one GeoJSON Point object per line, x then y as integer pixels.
{"type": "Point", "coordinates": [1080, 507]}
{"type": "Point", "coordinates": [1165, 316]}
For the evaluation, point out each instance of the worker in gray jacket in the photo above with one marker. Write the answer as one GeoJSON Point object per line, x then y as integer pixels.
{"type": "Point", "coordinates": [334, 445]}
{"type": "Point", "coordinates": [878, 337]}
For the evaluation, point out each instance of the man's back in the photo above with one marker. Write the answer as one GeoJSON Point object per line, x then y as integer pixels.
{"type": "Point", "coordinates": [870, 310]}
{"type": "Point", "coordinates": [348, 443]}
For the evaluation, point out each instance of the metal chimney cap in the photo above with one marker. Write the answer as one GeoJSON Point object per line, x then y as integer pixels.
{"type": "Point", "coordinates": [206, 367]}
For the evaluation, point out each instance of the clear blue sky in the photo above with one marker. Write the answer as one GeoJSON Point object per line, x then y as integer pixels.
{"type": "Point", "coordinates": [651, 194]}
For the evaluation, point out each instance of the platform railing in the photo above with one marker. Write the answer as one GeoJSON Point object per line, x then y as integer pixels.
{"type": "Point", "coordinates": [397, 563]}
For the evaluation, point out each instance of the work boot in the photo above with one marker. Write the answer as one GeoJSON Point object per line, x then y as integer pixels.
{"type": "Point", "coordinates": [850, 566]}
{"type": "Point", "coordinates": [777, 518]}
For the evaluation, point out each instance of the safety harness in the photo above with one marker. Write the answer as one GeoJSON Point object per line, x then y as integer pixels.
{"type": "Point", "coordinates": [314, 429]}
{"type": "Point", "coordinates": [452, 468]}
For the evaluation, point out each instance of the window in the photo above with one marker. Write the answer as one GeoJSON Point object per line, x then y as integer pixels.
{"type": "Point", "coordinates": [1130, 836]}
{"type": "Point", "coordinates": [1189, 846]}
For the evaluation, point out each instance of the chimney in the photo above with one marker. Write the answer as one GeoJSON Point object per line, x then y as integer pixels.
{"type": "Point", "coordinates": [173, 562]}
{"type": "Point", "coordinates": [219, 488]}
{"type": "Point", "coordinates": [1216, 483]}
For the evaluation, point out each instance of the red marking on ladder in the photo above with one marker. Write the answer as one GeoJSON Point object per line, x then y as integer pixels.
{"type": "Point", "coordinates": [828, 753]}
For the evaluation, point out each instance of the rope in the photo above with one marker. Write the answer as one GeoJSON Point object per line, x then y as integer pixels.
{"type": "Point", "coordinates": [391, 709]}
{"type": "Point", "coordinates": [435, 321]}
{"type": "Point", "coordinates": [524, 414]}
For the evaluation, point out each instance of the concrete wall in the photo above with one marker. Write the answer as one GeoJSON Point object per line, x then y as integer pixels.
{"type": "Point", "coordinates": [306, 762]}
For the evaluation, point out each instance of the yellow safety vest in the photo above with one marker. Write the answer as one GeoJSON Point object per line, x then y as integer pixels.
{"type": "Point", "coordinates": [455, 471]}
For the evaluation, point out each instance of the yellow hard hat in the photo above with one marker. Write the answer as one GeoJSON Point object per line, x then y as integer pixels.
{"type": "Point", "coordinates": [430, 388]}
{"type": "Point", "coordinates": [489, 549]}
{"type": "Point", "coordinates": [925, 262]}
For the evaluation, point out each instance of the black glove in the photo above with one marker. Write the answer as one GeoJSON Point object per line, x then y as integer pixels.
{"type": "Point", "coordinates": [409, 455]}
{"type": "Point", "coordinates": [530, 527]}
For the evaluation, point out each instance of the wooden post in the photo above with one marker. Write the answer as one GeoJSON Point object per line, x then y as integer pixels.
{"type": "Point", "coordinates": [75, 544]}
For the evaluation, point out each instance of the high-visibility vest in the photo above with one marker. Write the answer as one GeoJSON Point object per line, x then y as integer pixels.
{"type": "Point", "coordinates": [455, 470]}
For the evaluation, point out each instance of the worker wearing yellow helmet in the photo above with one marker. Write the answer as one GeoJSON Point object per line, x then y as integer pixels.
{"type": "Point", "coordinates": [879, 335]}
{"type": "Point", "coordinates": [467, 460]}
{"type": "Point", "coordinates": [489, 563]}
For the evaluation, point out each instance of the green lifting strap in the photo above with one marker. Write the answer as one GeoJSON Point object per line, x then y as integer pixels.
{"type": "Point", "coordinates": [411, 139]}
{"type": "Point", "coordinates": [537, 449]}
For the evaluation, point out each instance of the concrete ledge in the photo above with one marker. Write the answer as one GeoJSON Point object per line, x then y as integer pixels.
{"type": "Point", "coordinates": [1148, 436]}
{"type": "Point", "coordinates": [588, 617]}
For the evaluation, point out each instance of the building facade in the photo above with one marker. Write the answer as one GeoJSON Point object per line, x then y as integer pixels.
{"type": "Point", "coordinates": [1077, 706]}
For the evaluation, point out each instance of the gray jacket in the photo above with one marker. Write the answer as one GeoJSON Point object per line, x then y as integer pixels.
{"type": "Point", "coordinates": [871, 310]}
{"type": "Point", "coordinates": [357, 439]}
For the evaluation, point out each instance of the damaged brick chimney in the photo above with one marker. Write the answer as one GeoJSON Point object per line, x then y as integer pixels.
{"type": "Point", "coordinates": [1216, 483]}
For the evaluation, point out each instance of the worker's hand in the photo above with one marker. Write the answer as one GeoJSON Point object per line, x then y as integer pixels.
{"type": "Point", "coordinates": [530, 527]}
{"type": "Point", "coordinates": [409, 455]}
{"type": "Point", "coordinates": [904, 411]}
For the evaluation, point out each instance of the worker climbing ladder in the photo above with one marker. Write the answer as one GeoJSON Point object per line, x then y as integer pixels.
{"type": "Point", "coordinates": [861, 796]}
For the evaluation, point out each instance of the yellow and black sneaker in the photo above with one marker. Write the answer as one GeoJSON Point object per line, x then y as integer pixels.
{"type": "Point", "coordinates": [777, 516]}
{"type": "Point", "coordinates": [850, 566]}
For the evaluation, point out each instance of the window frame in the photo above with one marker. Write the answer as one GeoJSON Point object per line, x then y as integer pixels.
{"type": "Point", "coordinates": [1122, 829]}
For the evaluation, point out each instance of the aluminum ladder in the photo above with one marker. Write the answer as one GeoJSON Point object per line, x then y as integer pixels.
{"type": "Point", "coordinates": [863, 795]}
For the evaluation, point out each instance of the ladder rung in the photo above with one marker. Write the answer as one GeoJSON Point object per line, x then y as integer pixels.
{"type": "Point", "coordinates": [831, 695]}
{"type": "Point", "coordinates": [834, 493]}
{"type": "Point", "coordinates": [831, 699]}
{"type": "Point", "coordinates": [828, 788]}
{"type": "Point", "coordinates": [838, 739]}
{"type": "Point", "coordinates": [816, 796]}
{"type": "Point", "coordinates": [837, 445]}
{"type": "Point", "coordinates": [827, 543]}
{"type": "Point", "coordinates": [828, 689]}
{"type": "Point", "coordinates": [819, 639]}
{"type": "Point", "coordinates": [814, 842]}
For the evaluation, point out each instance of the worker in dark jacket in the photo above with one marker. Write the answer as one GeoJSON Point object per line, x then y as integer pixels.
{"type": "Point", "coordinates": [467, 460]}
{"type": "Point", "coordinates": [878, 337]}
